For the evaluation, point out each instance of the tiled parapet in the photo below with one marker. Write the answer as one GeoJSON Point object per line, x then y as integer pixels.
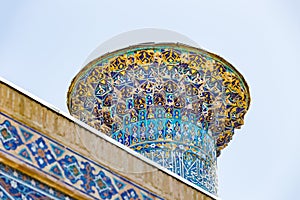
{"type": "Point", "coordinates": [175, 104]}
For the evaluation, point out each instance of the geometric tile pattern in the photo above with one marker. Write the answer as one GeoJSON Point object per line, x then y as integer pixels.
{"type": "Point", "coordinates": [41, 153]}
{"type": "Point", "coordinates": [69, 167]}
{"type": "Point", "coordinates": [9, 136]}
{"type": "Point", "coordinates": [174, 104]}
{"type": "Point", "coordinates": [16, 185]}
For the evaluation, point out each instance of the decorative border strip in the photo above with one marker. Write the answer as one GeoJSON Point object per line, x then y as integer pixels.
{"type": "Point", "coordinates": [16, 185]}
{"type": "Point", "coordinates": [69, 167]}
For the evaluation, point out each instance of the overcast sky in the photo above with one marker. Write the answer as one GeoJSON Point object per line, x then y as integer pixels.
{"type": "Point", "coordinates": [43, 44]}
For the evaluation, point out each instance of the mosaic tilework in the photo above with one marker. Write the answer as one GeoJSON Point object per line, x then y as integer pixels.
{"type": "Point", "coordinates": [168, 82]}
{"type": "Point", "coordinates": [174, 104]}
{"type": "Point", "coordinates": [53, 159]}
{"type": "Point", "coordinates": [16, 185]}
{"type": "Point", "coordinates": [184, 160]}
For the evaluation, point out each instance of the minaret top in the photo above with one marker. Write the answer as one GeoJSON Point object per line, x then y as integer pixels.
{"type": "Point", "coordinates": [159, 93]}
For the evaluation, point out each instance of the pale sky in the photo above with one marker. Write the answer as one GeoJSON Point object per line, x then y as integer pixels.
{"type": "Point", "coordinates": [43, 44]}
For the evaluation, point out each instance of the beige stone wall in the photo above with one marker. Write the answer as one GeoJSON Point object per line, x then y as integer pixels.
{"type": "Point", "coordinates": [86, 142]}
